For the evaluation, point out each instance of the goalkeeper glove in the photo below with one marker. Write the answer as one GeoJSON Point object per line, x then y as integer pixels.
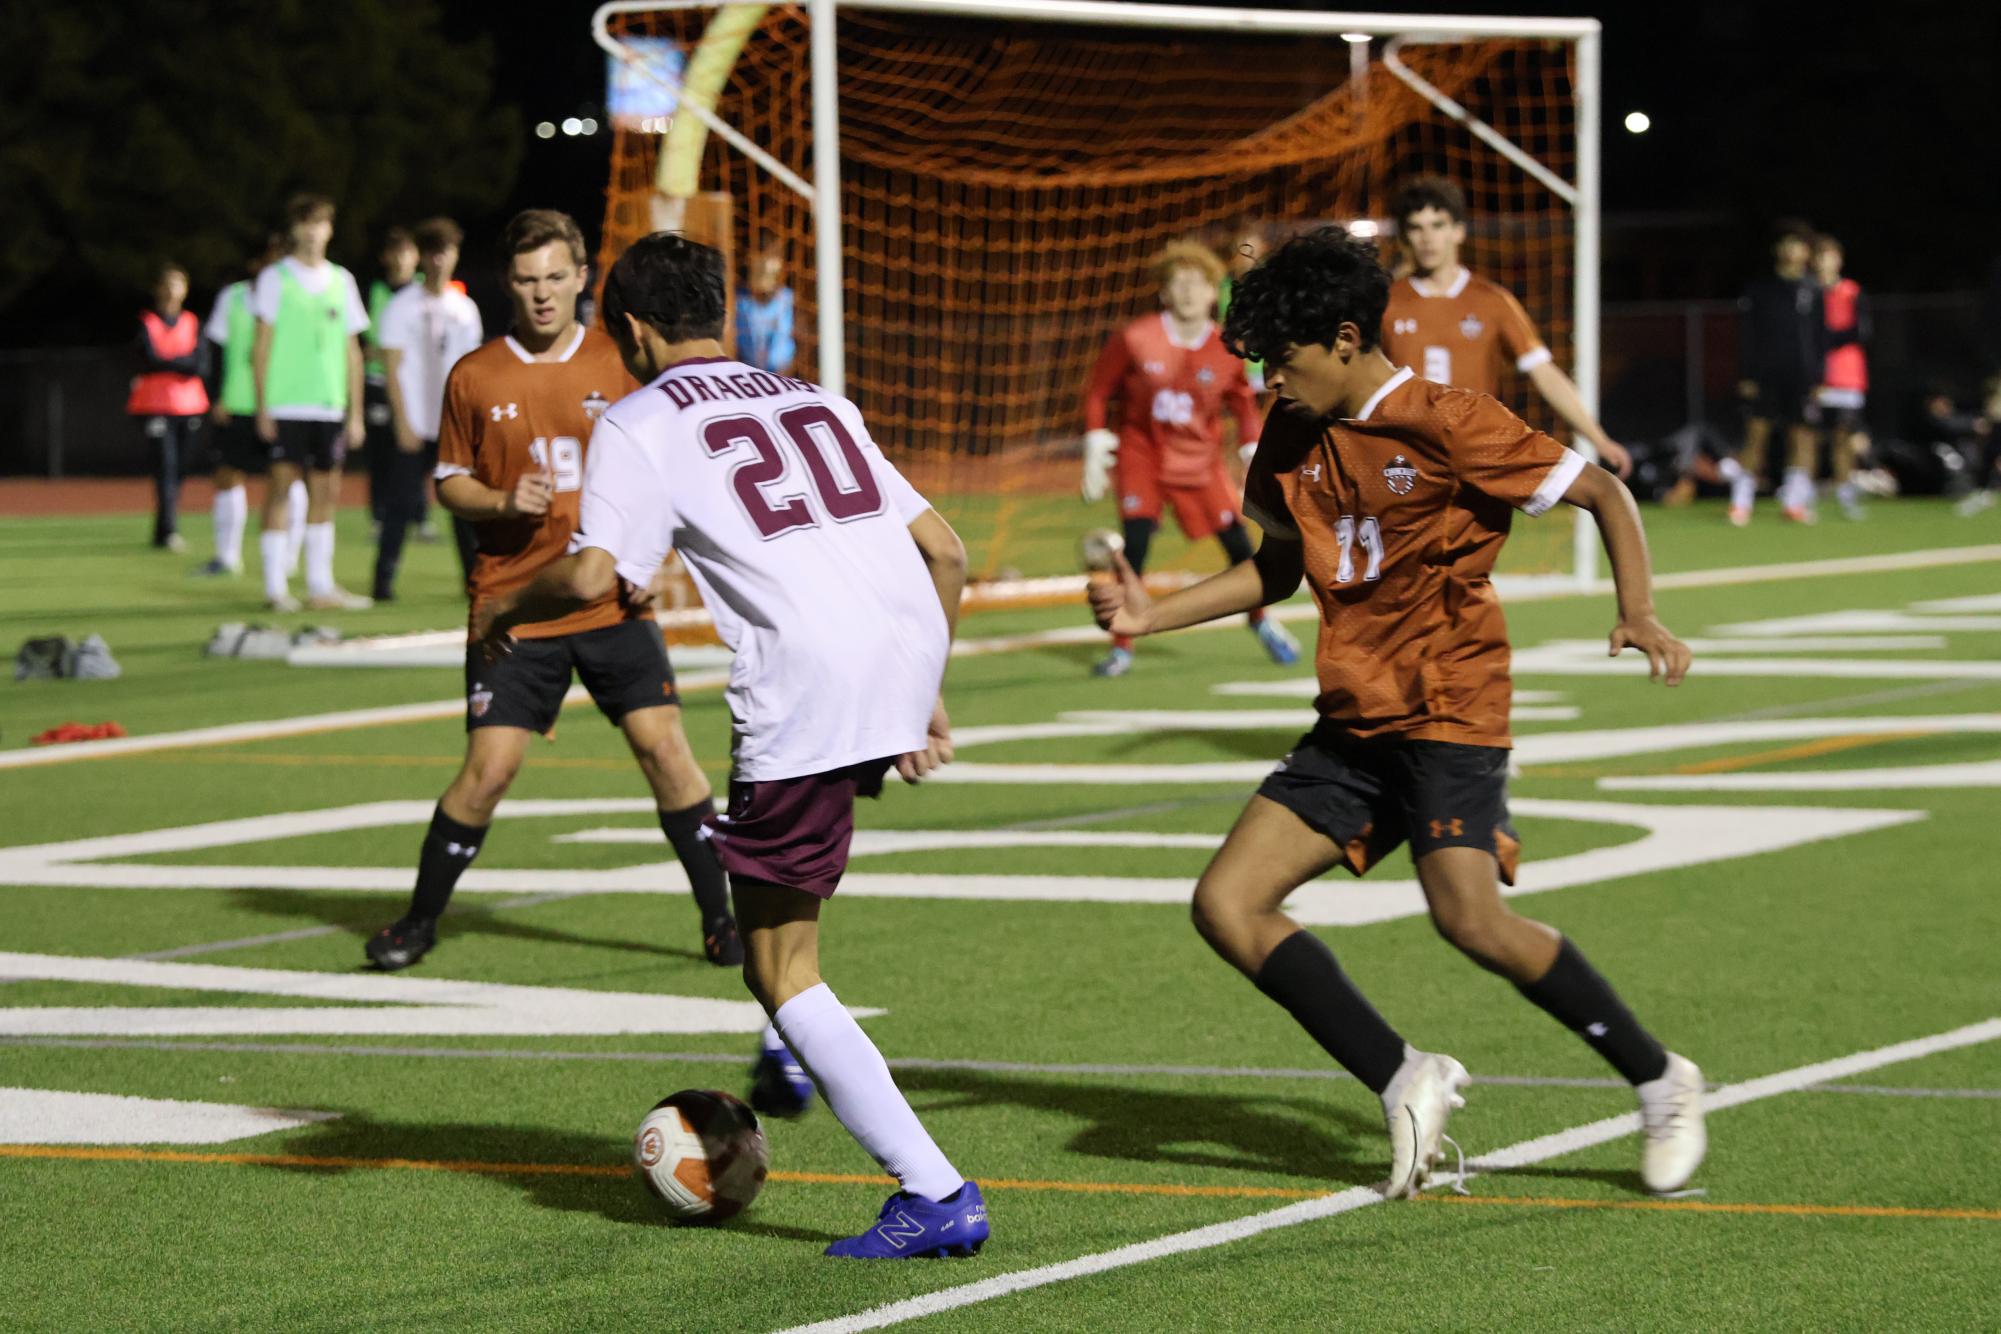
{"type": "Point", "coordinates": [1101, 449]}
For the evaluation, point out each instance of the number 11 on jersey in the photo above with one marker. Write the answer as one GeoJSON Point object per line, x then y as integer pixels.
{"type": "Point", "coordinates": [1370, 533]}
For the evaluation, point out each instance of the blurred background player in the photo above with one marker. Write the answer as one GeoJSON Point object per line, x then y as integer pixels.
{"type": "Point", "coordinates": [232, 327]}
{"type": "Point", "coordinates": [764, 335]}
{"type": "Point", "coordinates": [306, 363]}
{"type": "Point", "coordinates": [1246, 249]}
{"type": "Point", "coordinates": [1844, 380]}
{"type": "Point", "coordinates": [1453, 327]}
{"type": "Point", "coordinates": [516, 426]}
{"type": "Point", "coordinates": [399, 269]}
{"type": "Point", "coordinates": [1783, 350]}
{"type": "Point", "coordinates": [838, 590]}
{"type": "Point", "coordinates": [168, 396]}
{"type": "Point", "coordinates": [1390, 496]}
{"type": "Point", "coordinates": [1173, 378]}
{"type": "Point", "coordinates": [422, 333]}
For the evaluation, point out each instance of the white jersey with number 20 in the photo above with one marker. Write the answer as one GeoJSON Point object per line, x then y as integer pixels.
{"type": "Point", "coordinates": [796, 530]}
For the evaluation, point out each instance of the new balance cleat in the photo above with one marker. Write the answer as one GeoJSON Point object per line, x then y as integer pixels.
{"type": "Point", "coordinates": [1116, 663]}
{"type": "Point", "coordinates": [1279, 645]}
{"type": "Point", "coordinates": [779, 1085]}
{"type": "Point", "coordinates": [400, 944]}
{"type": "Point", "coordinates": [911, 1227]}
{"type": "Point", "coordinates": [721, 943]}
{"type": "Point", "coordinates": [1671, 1116]}
{"type": "Point", "coordinates": [1422, 1095]}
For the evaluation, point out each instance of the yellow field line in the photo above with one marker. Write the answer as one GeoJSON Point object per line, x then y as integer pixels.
{"type": "Point", "coordinates": [1806, 750]}
{"type": "Point", "coordinates": [1720, 1207]}
{"type": "Point", "coordinates": [88, 1153]}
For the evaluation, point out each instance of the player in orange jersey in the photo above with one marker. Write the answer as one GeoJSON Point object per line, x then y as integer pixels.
{"type": "Point", "coordinates": [1391, 496]}
{"type": "Point", "coordinates": [516, 426]}
{"type": "Point", "coordinates": [1454, 328]}
{"type": "Point", "coordinates": [1173, 379]}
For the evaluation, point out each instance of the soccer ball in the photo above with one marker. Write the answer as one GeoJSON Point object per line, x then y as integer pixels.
{"type": "Point", "coordinates": [1097, 547]}
{"type": "Point", "coordinates": [703, 1154]}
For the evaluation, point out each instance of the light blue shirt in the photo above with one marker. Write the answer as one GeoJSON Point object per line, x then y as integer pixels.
{"type": "Point", "coordinates": [764, 331]}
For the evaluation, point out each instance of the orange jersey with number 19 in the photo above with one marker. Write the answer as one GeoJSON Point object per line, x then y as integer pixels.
{"type": "Point", "coordinates": [507, 416]}
{"type": "Point", "coordinates": [1401, 511]}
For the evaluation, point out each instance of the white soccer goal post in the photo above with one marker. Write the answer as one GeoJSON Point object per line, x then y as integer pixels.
{"type": "Point", "coordinates": [815, 177]}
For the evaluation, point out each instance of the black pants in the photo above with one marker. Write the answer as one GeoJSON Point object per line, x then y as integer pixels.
{"type": "Point", "coordinates": [380, 439]}
{"type": "Point", "coordinates": [402, 510]}
{"type": "Point", "coordinates": [171, 441]}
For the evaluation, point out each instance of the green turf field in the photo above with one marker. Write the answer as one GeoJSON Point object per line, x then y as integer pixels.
{"type": "Point", "coordinates": [1788, 861]}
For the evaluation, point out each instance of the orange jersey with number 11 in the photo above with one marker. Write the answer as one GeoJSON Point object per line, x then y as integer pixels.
{"type": "Point", "coordinates": [506, 417]}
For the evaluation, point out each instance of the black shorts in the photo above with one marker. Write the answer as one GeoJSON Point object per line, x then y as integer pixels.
{"type": "Point", "coordinates": [1782, 403]}
{"type": "Point", "coordinates": [314, 446]}
{"type": "Point", "coordinates": [237, 445]}
{"type": "Point", "coordinates": [1369, 796]}
{"type": "Point", "coordinates": [624, 666]}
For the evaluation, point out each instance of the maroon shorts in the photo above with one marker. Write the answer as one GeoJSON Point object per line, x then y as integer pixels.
{"type": "Point", "coordinates": [795, 831]}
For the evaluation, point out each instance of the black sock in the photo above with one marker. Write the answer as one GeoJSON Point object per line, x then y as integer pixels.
{"type": "Point", "coordinates": [1301, 975]}
{"type": "Point", "coordinates": [705, 874]}
{"type": "Point", "coordinates": [1578, 998]}
{"type": "Point", "coordinates": [449, 848]}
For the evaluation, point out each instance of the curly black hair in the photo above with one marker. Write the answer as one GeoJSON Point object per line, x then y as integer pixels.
{"type": "Point", "coordinates": [1303, 292]}
{"type": "Point", "coordinates": [671, 283]}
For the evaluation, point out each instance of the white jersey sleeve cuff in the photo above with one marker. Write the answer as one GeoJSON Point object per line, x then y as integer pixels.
{"type": "Point", "coordinates": [1534, 357]}
{"type": "Point", "coordinates": [444, 470]}
{"type": "Point", "coordinates": [1553, 486]}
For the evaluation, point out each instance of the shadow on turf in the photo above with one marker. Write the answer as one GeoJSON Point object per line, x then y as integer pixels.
{"type": "Point", "coordinates": [1295, 1137]}
{"type": "Point", "coordinates": [363, 917]}
{"type": "Point", "coordinates": [615, 1199]}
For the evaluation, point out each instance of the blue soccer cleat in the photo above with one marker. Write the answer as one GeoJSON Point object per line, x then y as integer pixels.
{"type": "Point", "coordinates": [1279, 646]}
{"type": "Point", "coordinates": [1116, 663]}
{"type": "Point", "coordinates": [779, 1085]}
{"type": "Point", "coordinates": [911, 1227]}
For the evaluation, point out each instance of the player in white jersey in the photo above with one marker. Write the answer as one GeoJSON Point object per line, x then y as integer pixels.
{"type": "Point", "coordinates": [837, 587]}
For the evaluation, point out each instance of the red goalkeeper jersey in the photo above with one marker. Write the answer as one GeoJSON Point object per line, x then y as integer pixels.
{"type": "Point", "coordinates": [1171, 398]}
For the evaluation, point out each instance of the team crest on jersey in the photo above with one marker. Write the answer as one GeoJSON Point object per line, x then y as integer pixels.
{"type": "Point", "coordinates": [1400, 475]}
{"type": "Point", "coordinates": [1204, 376]}
{"type": "Point", "coordinates": [506, 413]}
{"type": "Point", "coordinates": [1155, 368]}
{"type": "Point", "coordinates": [1471, 326]}
{"type": "Point", "coordinates": [595, 405]}
{"type": "Point", "coordinates": [480, 700]}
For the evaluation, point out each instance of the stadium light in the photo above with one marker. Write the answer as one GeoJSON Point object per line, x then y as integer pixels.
{"type": "Point", "coordinates": [590, 126]}
{"type": "Point", "coordinates": [1638, 122]}
{"type": "Point", "coordinates": [1365, 229]}
{"type": "Point", "coordinates": [545, 130]}
{"type": "Point", "coordinates": [572, 126]}
{"type": "Point", "coordinates": [1355, 38]}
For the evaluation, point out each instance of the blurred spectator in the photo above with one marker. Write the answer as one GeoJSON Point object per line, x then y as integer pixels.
{"type": "Point", "coordinates": [168, 396]}
{"type": "Point", "coordinates": [764, 316]}
{"type": "Point", "coordinates": [238, 453]}
{"type": "Point", "coordinates": [1970, 436]}
{"type": "Point", "coordinates": [425, 329]}
{"type": "Point", "coordinates": [1783, 351]}
{"type": "Point", "coordinates": [399, 270]}
{"type": "Point", "coordinates": [1844, 379]}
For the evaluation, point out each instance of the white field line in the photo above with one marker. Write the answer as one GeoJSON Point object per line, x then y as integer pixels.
{"type": "Point", "coordinates": [1518, 1155]}
{"type": "Point", "coordinates": [355, 718]}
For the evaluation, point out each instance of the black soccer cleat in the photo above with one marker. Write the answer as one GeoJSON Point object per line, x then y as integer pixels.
{"type": "Point", "coordinates": [721, 943]}
{"type": "Point", "coordinates": [402, 943]}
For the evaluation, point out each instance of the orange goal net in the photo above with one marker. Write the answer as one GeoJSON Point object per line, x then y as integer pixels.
{"type": "Point", "coordinates": [1003, 185]}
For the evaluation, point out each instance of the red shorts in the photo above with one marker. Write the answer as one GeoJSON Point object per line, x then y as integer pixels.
{"type": "Point", "coordinates": [1202, 511]}
{"type": "Point", "coordinates": [794, 831]}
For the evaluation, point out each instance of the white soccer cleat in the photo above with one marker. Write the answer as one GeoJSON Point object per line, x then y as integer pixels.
{"type": "Point", "coordinates": [1671, 1115]}
{"type": "Point", "coordinates": [284, 603]}
{"type": "Point", "coordinates": [339, 599]}
{"type": "Point", "coordinates": [1424, 1092]}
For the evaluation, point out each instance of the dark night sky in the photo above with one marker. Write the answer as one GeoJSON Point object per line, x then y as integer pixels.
{"type": "Point", "coordinates": [1856, 121]}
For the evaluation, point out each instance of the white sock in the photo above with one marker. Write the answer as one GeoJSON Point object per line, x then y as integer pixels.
{"type": "Point", "coordinates": [1797, 489]}
{"type": "Point", "coordinates": [295, 523]}
{"type": "Point", "coordinates": [319, 559]}
{"type": "Point", "coordinates": [1743, 486]}
{"type": "Point", "coordinates": [773, 1043]}
{"type": "Point", "coordinates": [276, 550]}
{"type": "Point", "coordinates": [1729, 469]}
{"type": "Point", "coordinates": [861, 1093]}
{"type": "Point", "coordinates": [232, 512]}
{"type": "Point", "coordinates": [1847, 494]}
